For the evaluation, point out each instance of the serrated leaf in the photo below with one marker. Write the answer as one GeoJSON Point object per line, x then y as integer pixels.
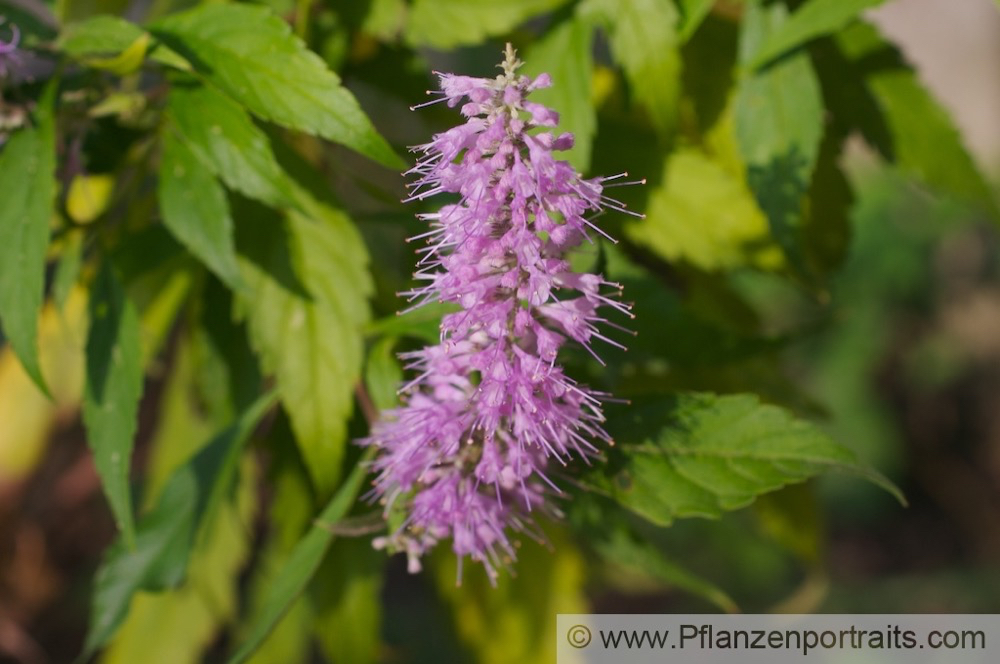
{"type": "Point", "coordinates": [105, 33]}
{"type": "Point", "coordinates": [903, 121]}
{"type": "Point", "coordinates": [702, 455]}
{"type": "Point", "coordinates": [306, 308]}
{"type": "Point", "coordinates": [112, 391]}
{"type": "Point", "coordinates": [693, 12]}
{"type": "Point", "coordinates": [222, 134]}
{"type": "Point", "coordinates": [813, 19]}
{"type": "Point", "coordinates": [252, 55]}
{"type": "Point", "coordinates": [703, 215]}
{"type": "Point", "coordinates": [27, 178]}
{"type": "Point", "coordinates": [194, 207]}
{"type": "Point", "coordinates": [644, 39]}
{"type": "Point", "coordinates": [779, 125]}
{"type": "Point", "coordinates": [565, 54]}
{"type": "Point", "coordinates": [88, 197]}
{"type": "Point", "coordinates": [445, 24]}
{"type": "Point", "coordinates": [301, 565]}
{"type": "Point", "coordinates": [165, 536]}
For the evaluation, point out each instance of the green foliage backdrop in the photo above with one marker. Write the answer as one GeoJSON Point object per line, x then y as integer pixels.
{"type": "Point", "coordinates": [201, 242]}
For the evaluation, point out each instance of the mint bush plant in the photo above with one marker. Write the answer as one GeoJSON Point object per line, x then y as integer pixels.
{"type": "Point", "coordinates": [207, 195]}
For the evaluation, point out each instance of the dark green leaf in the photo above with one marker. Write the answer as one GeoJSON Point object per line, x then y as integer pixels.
{"type": "Point", "coordinates": [165, 536]}
{"type": "Point", "coordinates": [300, 566]}
{"type": "Point", "coordinates": [445, 24]}
{"type": "Point", "coordinates": [693, 13]}
{"type": "Point", "coordinates": [252, 55]}
{"type": "Point", "coordinates": [622, 547]}
{"type": "Point", "coordinates": [564, 53]}
{"type": "Point", "coordinates": [222, 134]}
{"type": "Point", "coordinates": [813, 19]}
{"type": "Point", "coordinates": [306, 307]}
{"type": "Point", "coordinates": [702, 455]}
{"type": "Point", "coordinates": [27, 178]}
{"type": "Point", "coordinates": [194, 208]}
{"type": "Point", "coordinates": [903, 121]}
{"type": "Point", "coordinates": [112, 391]}
{"type": "Point", "coordinates": [105, 33]}
{"type": "Point", "coordinates": [779, 124]}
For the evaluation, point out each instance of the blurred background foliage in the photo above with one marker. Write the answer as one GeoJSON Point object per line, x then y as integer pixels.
{"type": "Point", "coordinates": [201, 242]}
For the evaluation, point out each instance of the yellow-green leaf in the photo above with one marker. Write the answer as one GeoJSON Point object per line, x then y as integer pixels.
{"type": "Point", "coordinates": [88, 197]}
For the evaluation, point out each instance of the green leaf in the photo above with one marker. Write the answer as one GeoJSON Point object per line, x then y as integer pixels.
{"type": "Point", "coordinates": [224, 136]}
{"type": "Point", "coordinates": [445, 24]}
{"type": "Point", "coordinates": [346, 593]}
{"type": "Point", "coordinates": [565, 53]}
{"type": "Point", "coordinates": [106, 34]}
{"type": "Point", "coordinates": [903, 120]}
{"type": "Point", "coordinates": [421, 323]}
{"type": "Point", "coordinates": [702, 455]}
{"type": "Point", "coordinates": [813, 19]}
{"type": "Point", "coordinates": [704, 215]}
{"type": "Point", "coordinates": [194, 207]}
{"type": "Point", "coordinates": [27, 178]}
{"type": "Point", "coordinates": [779, 125]}
{"type": "Point", "coordinates": [514, 621]}
{"type": "Point", "coordinates": [306, 307]}
{"type": "Point", "coordinates": [112, 391]}
{"type": "Point", "coordinates": [693, 12]}
{"type": "Point", "coordinates": [383, 375]}
{"type": "Point", "coordinates": [643, 37]}
{"type": "Point", "coordinates": [301, 564]}
{"type": "Point", "coordinates": [165, 536]}
{"type": "Point", "coordinates": [622, 547]}
{"type": "Point", "coordinates": [252, 55]}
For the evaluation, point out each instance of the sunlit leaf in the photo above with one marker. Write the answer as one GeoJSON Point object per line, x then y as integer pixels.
{"type": "Point", "coordinates": [253, 56]}
{"type": "Point", "coordinates": [194, 207]}
{"type": "Point", "coordinates": [219, 131]}
{"type": "Point", "coordinates": [306, 307]}
{"type": "Point", "coordinates": [27, 178]}
{"type": "Point", "coordinates": [446, 24]}
{"type": "Point", "coordinates": [813, 19]}
{"type": "Point", "coordinates": [704, 215]}
{"type": "Point", "coordinates": [112, 391]}
{"type": "Point", "coordinates": [779, 125]}
{"type": "Point", "coordinates": [702, 455]}
{"type": "Point", "coordinates": [88, 197]}
{"type": "Point", "coordinates": [565, 54]}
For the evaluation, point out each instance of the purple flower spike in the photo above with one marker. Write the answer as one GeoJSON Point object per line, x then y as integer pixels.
{"type": "Point", "coordinates": [465, 456]}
